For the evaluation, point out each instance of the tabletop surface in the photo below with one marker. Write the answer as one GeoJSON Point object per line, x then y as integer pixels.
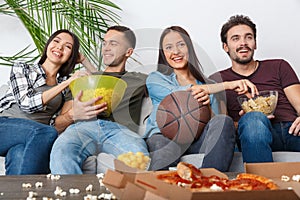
{"type": "Point", "coordinates": [44, 187]}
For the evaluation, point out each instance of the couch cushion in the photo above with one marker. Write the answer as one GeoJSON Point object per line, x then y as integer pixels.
{"type": "Point", "coordinates": [104, 162]}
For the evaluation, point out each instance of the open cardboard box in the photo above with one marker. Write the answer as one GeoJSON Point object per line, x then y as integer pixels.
{"type": "Point", "coordinates": [128, 183]}
{"type": "Point", "coordinates": [275, 170]}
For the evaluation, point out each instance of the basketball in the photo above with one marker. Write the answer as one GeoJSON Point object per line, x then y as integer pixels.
{"type": "Point", "coordinates": [182, 118]}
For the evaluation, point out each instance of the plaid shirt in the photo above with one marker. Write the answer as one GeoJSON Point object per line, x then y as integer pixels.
{"type": "Point", "coordinates": [23, 81]}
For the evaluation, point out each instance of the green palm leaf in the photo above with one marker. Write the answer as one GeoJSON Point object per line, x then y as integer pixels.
{"type": "Point", "coordinates": [88, 19]}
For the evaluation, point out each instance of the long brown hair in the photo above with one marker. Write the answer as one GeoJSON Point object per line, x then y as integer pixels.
{"type": "Point", "coordinates": [193, 63]}
{"type": "Point", "coordinates": [67, 68]}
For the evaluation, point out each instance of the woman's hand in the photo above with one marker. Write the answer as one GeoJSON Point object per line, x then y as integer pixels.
{"type": "Point", "coordinates": [77, 74]}
{"type": "Point", "coordinates": [87, 110]}
{"type": "Point", "coordinates": [80, 58]}
{"type": "Point", "coordinates": [241, 87]}
{"type": "Point", "coordinates": [200, 93]}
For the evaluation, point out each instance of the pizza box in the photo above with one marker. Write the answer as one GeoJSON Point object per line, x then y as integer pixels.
{"type": "Point", "coordinates": [129, 183]}
{"type": "Point", "coordinates": [275, 170]}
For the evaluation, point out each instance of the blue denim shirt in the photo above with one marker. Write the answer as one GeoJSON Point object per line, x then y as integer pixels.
{"type": "Point", "coordinates": [159, 86]}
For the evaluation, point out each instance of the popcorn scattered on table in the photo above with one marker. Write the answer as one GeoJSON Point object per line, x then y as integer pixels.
{"type": "Point", "coordinates": [32, 194]}
{"type": "Point", "coordinates": [74, 191]}
{"type": "Point", "coordinates": [107, 196]}
{"type": "Point", "coordinates": [53, 177]}
{"type": "Point", "coordinates": [26, 185]}
{"type": "Point", "coordinates": [59, 192]}
{"type": "Point", "coordinates": [101, 183]}
{"type": "Point", "coordinates": [47, 198]}
{"type": "Point", "coordinates": [104, 193]}
{"type": "Point", "coordinates": [90, 197]}
{"type": "Point", "coordinates": [39, 184]}
{"type": "Point", "coordinates": [100, 176]}
{"type": "Point", "coordinates": [89, 188]}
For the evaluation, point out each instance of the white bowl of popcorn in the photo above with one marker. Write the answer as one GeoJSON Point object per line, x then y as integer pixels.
{"type": "Point", "coordinates": [265, 102]}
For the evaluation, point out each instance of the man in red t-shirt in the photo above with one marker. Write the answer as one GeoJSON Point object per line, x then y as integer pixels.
{"type": "Point", "coordinates": [259, 135]}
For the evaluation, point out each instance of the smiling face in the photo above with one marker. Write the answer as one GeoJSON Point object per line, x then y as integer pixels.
{"type": "Point", "coordinates": [240, 44]}
{"type": "Point", "coordinates": [60, 48]}
{"type": "Point", "coordinates": [115, 49]}
{"type": "Point", "coordinates": [175, 50]}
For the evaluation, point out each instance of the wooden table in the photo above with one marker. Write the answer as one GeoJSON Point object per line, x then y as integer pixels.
{"type": "Point", "coordinates": [11, 187]}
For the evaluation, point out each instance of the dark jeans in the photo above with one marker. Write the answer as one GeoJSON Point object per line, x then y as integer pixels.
{"type": "Point", "coordinates": [259, 137]}
{"type": "Point", "coordinates": [26, 145]}
{"type": "Point", "coordinates": [216, 143]}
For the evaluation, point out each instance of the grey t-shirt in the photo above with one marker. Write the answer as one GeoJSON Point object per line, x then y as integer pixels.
{"type": "Point", "coordinates": [42, 116]}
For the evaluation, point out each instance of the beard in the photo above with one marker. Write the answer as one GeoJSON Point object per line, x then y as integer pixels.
{"type": "Point", "coordinates": [243, 61]}
{"type": "Point", "coordinates": [239, 60]}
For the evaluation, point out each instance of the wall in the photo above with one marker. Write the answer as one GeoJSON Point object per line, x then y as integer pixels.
{"type": "Point", "coordinates": [277, 23]}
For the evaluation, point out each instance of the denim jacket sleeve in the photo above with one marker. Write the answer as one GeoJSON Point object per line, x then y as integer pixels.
{"type": "Point", "coordinates": [159, 85]}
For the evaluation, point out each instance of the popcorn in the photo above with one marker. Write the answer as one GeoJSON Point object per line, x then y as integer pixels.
{"type": "Point", "coordinates": [89, 188]}
{"type": "Point", "coordinates": [53, 177]}
{"type": "Point", "coordinates": [285, 178]}
{"type": "Point", "coordinates": [26, 185]}
{"type": "Point", "coordinates": [107, 196]}
{"type": "Point", "coordinates": [296, 178]}
{"type": "Point", "coordinates": [100, 175]}
{"type": "Point", "coordinates": [137, 160]}
{"type": "Point", "coordinates": [39, 184]}
{"type": "Point", "coordinates": [32, 194]}
{"type": "Point", "coordinates": [59, 192]}
{"type": "Point", "coordinates": [90, 197]}
{"type": "Point", "coordinates": [74, 191]}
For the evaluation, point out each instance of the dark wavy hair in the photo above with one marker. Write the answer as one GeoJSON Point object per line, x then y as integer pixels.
{"type": "Point", "coordinates": [67, 68]}
{"type": "Point", "coordinates": [193, 63]}
{"type": "Point", "coordinates": [234, 21]}
{"type": "Point", "coordinates": [129, 34]}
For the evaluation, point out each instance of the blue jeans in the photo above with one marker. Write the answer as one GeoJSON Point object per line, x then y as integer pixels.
{"type": "Point", "coordinates": [87, 138]}
{"type": "Point", "coordinates": [216, 143]}
{"type": "Point", "coordinates": [26, 145]}
{"type": "Point", "coordinates": [259, 137]}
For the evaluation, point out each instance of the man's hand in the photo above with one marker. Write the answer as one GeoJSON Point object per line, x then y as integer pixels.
{"type": "Point", "coordinates": [87, 110]}
{"type": "Point", "coordinates": [295, 128]}
{"type": "Point", "coordinates": [242, 87]}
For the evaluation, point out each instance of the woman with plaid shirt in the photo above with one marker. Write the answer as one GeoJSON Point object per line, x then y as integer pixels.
{"type": "Point", "coordinates": [36, 92]}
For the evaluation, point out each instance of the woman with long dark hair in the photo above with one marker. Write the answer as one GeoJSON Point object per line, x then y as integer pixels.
{"type": "Point", "coordinates": [35, 94]}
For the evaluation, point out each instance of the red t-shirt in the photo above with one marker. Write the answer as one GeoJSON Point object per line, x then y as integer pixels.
{"type": "Point", "coordinates": [274, 74]}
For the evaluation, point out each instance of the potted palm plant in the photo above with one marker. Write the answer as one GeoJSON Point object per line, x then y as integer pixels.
{"type": "Point", "coordinates": [88, 19]}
